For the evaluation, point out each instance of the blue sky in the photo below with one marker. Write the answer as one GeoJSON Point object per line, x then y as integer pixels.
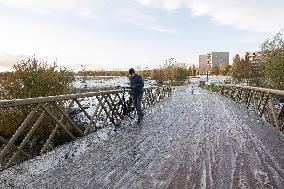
{"type": "Point", "coordinates": [118, 34]}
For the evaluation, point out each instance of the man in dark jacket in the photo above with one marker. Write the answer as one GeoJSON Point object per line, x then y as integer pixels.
{"type": "Point", "coordinates": [137, 85]}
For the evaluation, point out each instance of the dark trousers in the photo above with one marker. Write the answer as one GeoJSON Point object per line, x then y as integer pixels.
{"type": "Point", "coordinates": [137, 103]}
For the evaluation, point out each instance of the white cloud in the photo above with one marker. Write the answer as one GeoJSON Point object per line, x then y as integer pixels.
{"type": "Point", "coordinates": [77, 43]}
{"type": "Point", "coordinates": [167, 4]}
{"type": "Point", "coordinates": [102, 11]}
{"type": "Point", "coordinates": [8, 60]}
{"type": "Point", "coordinates": [48, 7]}
{"type": "Point", "coordinates": [163, 30]}
{"type": "Point", "coordinates": [254, 15]}
{"type": "Point", "coordinates": [137, 18]}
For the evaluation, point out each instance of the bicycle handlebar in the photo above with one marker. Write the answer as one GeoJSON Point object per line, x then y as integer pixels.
{"type": "Point", "coordinates": [117, 87]}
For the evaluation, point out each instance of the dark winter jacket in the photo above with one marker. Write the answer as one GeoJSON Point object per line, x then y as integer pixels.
{"type": "Point", "coordinates": [137, 84]}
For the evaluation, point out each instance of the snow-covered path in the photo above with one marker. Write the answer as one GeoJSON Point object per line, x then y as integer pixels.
{"type": "Point", "coordinates": [187, 141]}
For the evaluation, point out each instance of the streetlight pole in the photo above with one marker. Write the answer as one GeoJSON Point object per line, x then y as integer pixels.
{"type": "Point", "coordinates": [207, 73]}
{"type": "Point", "coordinates": [209, 57]}
{"type": "Point", "coordinates": [207, 76]}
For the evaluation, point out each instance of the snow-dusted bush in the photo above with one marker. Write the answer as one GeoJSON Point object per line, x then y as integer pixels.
{"type": "Point", "coordinates": [31, 78]}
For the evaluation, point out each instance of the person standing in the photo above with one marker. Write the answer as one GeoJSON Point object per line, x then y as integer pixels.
{"type": "Point", "coordinates": [137, 85]}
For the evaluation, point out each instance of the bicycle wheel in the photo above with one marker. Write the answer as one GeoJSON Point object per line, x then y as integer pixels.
{"type": "Point", "coordinates": [117, 114]}
{"type": "Point", "coordinates": [131, 110]}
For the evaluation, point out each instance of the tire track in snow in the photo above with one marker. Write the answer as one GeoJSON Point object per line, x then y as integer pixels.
{"type": "Point", "coordinates": [187, 141]}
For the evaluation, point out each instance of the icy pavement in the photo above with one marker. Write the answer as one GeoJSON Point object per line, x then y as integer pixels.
{"type": "Point", "coordinates": [187, 141]}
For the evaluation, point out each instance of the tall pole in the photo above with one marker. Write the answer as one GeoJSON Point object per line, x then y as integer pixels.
{"type": "Point", "coordinates": [207, 76]}
{"type": "Point", "coordinates": [209, 56]}
{"type": "Point", "coordinates": [207, 73]}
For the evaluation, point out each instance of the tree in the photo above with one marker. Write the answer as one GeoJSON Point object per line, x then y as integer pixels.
{"type": "Point", "coordinates": [156, 74]}
{"type": "Point", "coordinates": [272, 62]}
{"type": "Point", "coordinates": [236, 68]}
{"type": "Point", "coordinates": [222, 67]}
{"type": "Point", "coordinates": [194, 70]}
{"type": "Point", "coordinates": [179, 73]}
{"type": "Point", "coordinates": [227, 69]}
{"type": "Point", "coordinates": [31, 78]}
{"type": "Point", "coordinates": [172, 71]}
{"type": "Point", "coordinates": [215, 70]}
{"type": "Point", "coordinates": [190, 72]}
{"type": "Point", "coordinates": [265, 71]}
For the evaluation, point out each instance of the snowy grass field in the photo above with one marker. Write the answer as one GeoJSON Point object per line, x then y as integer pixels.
{"type": "Point", "coordinates": [211, 79]}
{"type": "Point", "coordinates": [103, 83]}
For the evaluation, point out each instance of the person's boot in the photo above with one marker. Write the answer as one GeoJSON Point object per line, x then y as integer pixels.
{"type": "Point", "coordinates": [140, 119]}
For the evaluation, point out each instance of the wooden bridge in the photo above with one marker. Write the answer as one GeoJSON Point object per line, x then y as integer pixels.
{"type": "Point", "coordinates": [200, 140]}
{"type": "Point", "coordinates": [57, 111]}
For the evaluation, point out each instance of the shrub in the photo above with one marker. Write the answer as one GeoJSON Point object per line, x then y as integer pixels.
{"type": "Point", "coordinates": [157, 74]}
{"type": "Point", "coordinates": [211, 87]}
{"type": "Point", "coordinates": [179, 74]}
{"type": "Point", "coordinates": [272, 65]}
{"type": "Point", "coordinates": [266, 72]}
{"type": "Point", "coordinates": [172, 71]}
{"type": "Point", "coordinates": [31, 78]}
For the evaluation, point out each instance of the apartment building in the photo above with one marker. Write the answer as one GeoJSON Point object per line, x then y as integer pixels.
{"type": "Point", "coordinates": [216, 58]}
{"type": "Point", "coordinates": [202, 64]}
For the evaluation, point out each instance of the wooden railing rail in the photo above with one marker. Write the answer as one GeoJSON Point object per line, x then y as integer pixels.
{"type": "Point", "coordinates": [46, 119]}
{"type": "Point", "coordinates": [266, 103]}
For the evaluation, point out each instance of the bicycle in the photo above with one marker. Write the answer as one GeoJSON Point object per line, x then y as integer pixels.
{"type": "Point", "coordinates": [123, 108]}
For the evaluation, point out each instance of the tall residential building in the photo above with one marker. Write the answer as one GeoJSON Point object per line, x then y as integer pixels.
{"type": "Point", "coordinates": [216, 58]}
{"type": "Point", "coordinates": [202, 64]}
{"type": "Point", "coordinates": [253, 58]}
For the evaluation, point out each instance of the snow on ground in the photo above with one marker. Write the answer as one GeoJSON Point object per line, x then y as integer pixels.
{"type": "Point", "coordinates": [106, 83]}
{"type": "Point", "coordinates": [211, 79]}
{"type": "Point", "coordinates": [202, 140]}
{"type": "Point", "coordinates": [94, 84]}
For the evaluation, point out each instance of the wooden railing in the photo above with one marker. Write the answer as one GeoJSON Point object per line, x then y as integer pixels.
{"type": "Point", "coordinates": [71, 116]}
{"type": "Point", "coordinates": [266, 103]}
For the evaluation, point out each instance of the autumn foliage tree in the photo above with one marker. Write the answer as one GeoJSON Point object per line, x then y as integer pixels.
{"type": "Point", "coordinates": [216, 70]}
{"type": "Point", "coordinates": [272, 64]}
{"type": "Point", "coordinates": [172, 71]}
{"type": "Point", "coordinates": [33, 78]}
{"type": "Point", "coordinates": [30, 78]}
{"type": "Point", "coordinates": [266, 72]}
{"type": "Point", "coordinates": [227, 70]}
